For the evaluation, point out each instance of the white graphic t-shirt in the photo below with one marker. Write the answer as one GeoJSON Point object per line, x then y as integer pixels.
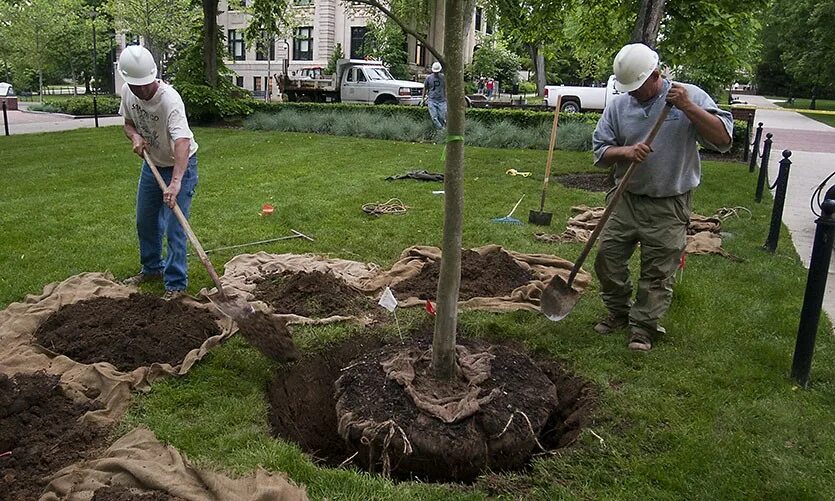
{"type": "Point", "coordinates": [160, 120]}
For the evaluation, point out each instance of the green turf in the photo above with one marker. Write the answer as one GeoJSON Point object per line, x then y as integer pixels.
{"type": "Point", "coordinates": [708, 414]}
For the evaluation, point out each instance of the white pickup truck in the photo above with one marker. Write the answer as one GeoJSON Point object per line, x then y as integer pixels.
{"type": "Point", "coordinates": [355, 81]}
{"type": "Point", "coordinates": [575, 99]}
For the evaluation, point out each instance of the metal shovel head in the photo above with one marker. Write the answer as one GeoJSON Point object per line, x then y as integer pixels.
{"type": "Point", "coordinates": [558, 299]}
{"type": "Point", "coordinates": [539, 218]}
{"type": "Point", "coordinates": [232, 306]}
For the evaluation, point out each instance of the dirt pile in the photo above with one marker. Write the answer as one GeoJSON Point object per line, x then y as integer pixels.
{"type": "Point", "coordinates": [311, 294]}
{"type": "Point", "coordinates": [494, 274]}
{"type": "Point", "coordinates": [588, 182]}
{"type": "Point", "coordinates": [40, 433]}
{"type": "Point", "coordinates": [269, 335]}
{"type": "Point", "coordinates": [128, 332]}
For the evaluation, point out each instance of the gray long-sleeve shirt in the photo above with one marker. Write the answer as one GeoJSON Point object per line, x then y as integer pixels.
{"type": "Point", "coordinates": [673, 167]}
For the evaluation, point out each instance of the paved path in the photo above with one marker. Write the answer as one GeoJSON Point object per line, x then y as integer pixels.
{"type": "Point", "coordinates": [22, 122]}
{"type": "Point", "coordinates": [812, 144]}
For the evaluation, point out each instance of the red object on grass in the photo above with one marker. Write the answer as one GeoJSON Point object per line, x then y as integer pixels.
{"type": "Point", "coordinates": [683, 262]}
{"type": "Point", "coordinates": [429, 307]}
{"type": "Point", "coordinates": [267, 210]}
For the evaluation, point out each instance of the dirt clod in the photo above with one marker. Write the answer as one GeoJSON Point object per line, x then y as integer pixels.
{"type": "Point", "coordinates": [127, 332]}
{"type": "Point", "coordinates": [269, 335]}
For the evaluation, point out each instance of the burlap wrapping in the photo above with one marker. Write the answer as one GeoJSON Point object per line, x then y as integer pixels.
{"type": "Point", "coordinates": [526, 297]}
{"type": "Point", "coordinates": [702, 232]}
{"type": "Point", "coordinates": [475, 368]}
{"type": "Point", "coordinates": [19, 352]}
{"type": "Point", "coordinates": [243, 272]}
{"type": "Point", "coordinates": [139, 460]}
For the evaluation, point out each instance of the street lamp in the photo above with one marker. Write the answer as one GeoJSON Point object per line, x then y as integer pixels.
{"type": "Point", "coordinates": [93, 15]}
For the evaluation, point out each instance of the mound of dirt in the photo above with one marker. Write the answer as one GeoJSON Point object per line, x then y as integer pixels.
{"type": "Point", "coordinates": [311, 294]}
{"type": "Point", "coordinates": [494, 274]}
{"type": "Point", "coordinates": [119, 493]}
{"type": "Point", "coordinates": [588, 182]}
{"type": "Point", "coordinates": [127, 332]}
{"type": "Point", "coordinates": [40, 433]}
{"type": "Point", "coordinates": [269, 335]}
{"type": "Point", "coordinates": [303, 410]}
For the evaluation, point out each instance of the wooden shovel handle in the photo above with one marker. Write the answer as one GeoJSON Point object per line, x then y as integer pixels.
{"type": "Point", "coordinates": [616, 197]}
{"type": "Point", "coordinates": [187, 227]}
{"type": "Point", "coordinates": [550, 152]}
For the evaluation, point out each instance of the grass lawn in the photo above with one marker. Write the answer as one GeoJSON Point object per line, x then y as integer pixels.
{"type": "Point", "coordinates": [708, 414]}
{"type": "Point", "coordinates": [820, 105]}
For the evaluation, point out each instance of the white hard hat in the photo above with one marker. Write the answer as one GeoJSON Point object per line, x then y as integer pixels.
{"type": "Point", "coordinates": [436, 67]}
{"type": "Point", "coordinates": [633, 65]}
{"type": "Point", "coordinates": [137, 66]}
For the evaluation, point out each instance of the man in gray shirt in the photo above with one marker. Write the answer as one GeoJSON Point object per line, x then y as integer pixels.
{"type": "Point", "coordinates": [655, 208]}
{"type": "Point", "coordinates": [434, 89]}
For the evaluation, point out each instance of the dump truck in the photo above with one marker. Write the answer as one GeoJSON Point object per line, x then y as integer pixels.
{"type": "Point", "coordinates": [355, 81]}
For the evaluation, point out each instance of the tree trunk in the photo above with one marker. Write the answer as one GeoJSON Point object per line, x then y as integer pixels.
{"type": "Point", "coordinates": [650, 14]}
{"type": "Point", "coordinates": [538, 59]}
{"type": "Point", "coordinates": [446, 321]}
{"type": "Point", "coordinates": [40, 85]}
{"type": "Point", "coordinates": [210, 41]}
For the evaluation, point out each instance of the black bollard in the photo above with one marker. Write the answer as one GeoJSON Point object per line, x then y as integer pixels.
{"type": "Point", "coordinates": [815, 289]}
{"type": "Point", "coordinates": [755, 148]}
{"type": "Point", "coordinates": [758, 194]}
{"type": "Point", "coordinates": [782, 185]}
{"type": "Point", "coordinates": [5, 118]}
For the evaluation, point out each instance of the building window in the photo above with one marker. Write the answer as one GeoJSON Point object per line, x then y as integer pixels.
{"type": "Point", "coordinates": [489, 27]}
{"type": "Point", "coordinates": [256, 84]}
{"type": "Point", "coordinates": [478, 13]}
{"type": "Point", "coordinates": [358, 34]}
{"type": "Point", "coordinates": [261, 50]}
{"type": "Point", "coordinates": [237, 50]}
{"type": "Point", "coordinates": [420, 54]}
{"type": "Point", "coordinates": [239, 81]}
{"type": "Point", "coordinates": [303, 44]}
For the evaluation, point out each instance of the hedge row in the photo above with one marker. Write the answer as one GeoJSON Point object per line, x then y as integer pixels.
{"type": "Point", "coordinates": [83, 105]}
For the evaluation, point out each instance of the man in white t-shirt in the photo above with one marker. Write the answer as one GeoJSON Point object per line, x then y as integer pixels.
{"type": "Point", "coordinates": [155, 122]}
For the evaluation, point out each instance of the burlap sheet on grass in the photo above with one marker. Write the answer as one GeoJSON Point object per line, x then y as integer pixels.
{"type": "Point", "coordinates": [702, 232]}
{"type": "Point", "coordinates": [475, 368]}
{"type": "Point", "coordinates": [20, 353]}
{"type": "Point", "coordinates": [139, 460]}
{"type": "Point", "coordinates": [243, 272]}
{"type": "Point", "coordinates": [526, 297]}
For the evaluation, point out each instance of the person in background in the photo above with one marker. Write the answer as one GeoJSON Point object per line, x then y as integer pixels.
{"type": "Point", "coordinates": [156, 124]}
{"type": "Point", "coordinates": [655, 208]}
{"type": "Point", "coordinates": [434, 91]}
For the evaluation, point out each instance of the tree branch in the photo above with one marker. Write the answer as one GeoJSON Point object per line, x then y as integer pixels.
{"type": "Point", "coordinates": [411, 31]}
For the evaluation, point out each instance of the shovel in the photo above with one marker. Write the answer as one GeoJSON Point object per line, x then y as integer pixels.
{"type": "Point", "coordinates": [263, 332]}
{"type": "Point", "coordinates": [539, 217]}
{"type": "Point", "coordinates": [559, 297]}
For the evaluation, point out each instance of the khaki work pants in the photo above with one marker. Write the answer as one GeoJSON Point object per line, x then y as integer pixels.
{"type": "Point", "coordinates": [660, 225]}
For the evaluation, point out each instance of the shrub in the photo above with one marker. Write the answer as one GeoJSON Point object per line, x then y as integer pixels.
{"type": "Point", "coordinates": [83, 105]}
{"type": "Point", "coordinates": [575, 136]}
{"type": "Point", "coordinates": [527, 87]}
{"type": "Point", "coordinates": [45, 107]}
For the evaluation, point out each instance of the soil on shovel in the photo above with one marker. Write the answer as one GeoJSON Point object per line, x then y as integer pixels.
{"type": "Point", "coordinates": [119, 493]}
{"type": "Point", "coordinates": [588, 182]}
{"type": "Point", "coordinates": [303, 410]}
{"type": "Point", "coordinates": [269, 335]}
{"type": "Point", "coordinates": [127, 332]}
{"type": "Point", "coordinates": [40, 433]}
{"type": "Point", "coordinates": [495, 274]}
{"type": "Point", "coordinates": [311, 294]}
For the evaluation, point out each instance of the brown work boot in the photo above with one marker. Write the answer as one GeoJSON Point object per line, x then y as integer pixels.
{"type": "Point", "coordinates": [143, 278]}
{"type": "Point", "coordinates": [639, 341]}
{"type": "Point", "coordinates": [172, 294]}
{"type": "Point", "coordinates": [611, 324]}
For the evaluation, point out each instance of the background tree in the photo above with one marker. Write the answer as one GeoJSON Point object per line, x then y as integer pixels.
{"type": "Point", "coordinates": [493, 59]}
{"type": "Point", "coordinates": [386, 41]}
{"type": "Point", "coordinates": [336, 55]}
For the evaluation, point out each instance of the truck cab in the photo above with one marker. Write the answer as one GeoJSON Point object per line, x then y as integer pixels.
{"type": "Point", "coordinates": [576, 98]}
{"type": "Point", "coordinates": [370, 82]}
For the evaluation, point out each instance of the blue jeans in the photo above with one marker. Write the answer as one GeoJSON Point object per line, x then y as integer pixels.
{"type": "Point", "coordinates": [437, 111]}
{"type": "Point", "coordinates": [154, 218]}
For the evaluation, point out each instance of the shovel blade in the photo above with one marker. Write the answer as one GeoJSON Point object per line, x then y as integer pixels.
{"type": "Point", "coordinates": [558, 299]}
{"type": "Point", "coordinates": [232, 306]}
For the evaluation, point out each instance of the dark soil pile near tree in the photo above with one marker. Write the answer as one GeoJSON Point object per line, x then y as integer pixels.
{"type": "Point", "coordinates": [269, 335]}
{"type": "Point", "coordinates": [311, 294]}
{"type": "Point", "coordinates": [119, 493]}
{"type": "Point", "coordinates": [40, 433]}
{"type": "Point", "coordinates": [492, 275]}
{"type": "Point", "coordinates": [302, 410]}
{"type": "Point", "coordinates": [129, 332]}
{"type": "Point", "coordinates": [588, 182]}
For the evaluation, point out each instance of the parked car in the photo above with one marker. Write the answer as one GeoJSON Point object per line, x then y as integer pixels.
{"type": "Point", "coordinates": [8, 96]}
{"type": "Point", "coordinates": [576, 98]}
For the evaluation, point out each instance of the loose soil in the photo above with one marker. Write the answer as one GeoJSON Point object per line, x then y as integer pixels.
{"type": "Point", "coordinates": [119, 493]}
{"type": "Point", "coordinates": [39, 426]}
{"type": "Point", "coordinates": [588, 182]}
{"type": "Point", "coordinates": [127, 332]}
{"type": "Point", "coordinates": [495, 274]}
{"type": "Point", "coordinates": [269, 335]}
{"type": "Point", "coordinates": [303, 407]}
{"type": "Point", "coordinates": [311, 294]}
